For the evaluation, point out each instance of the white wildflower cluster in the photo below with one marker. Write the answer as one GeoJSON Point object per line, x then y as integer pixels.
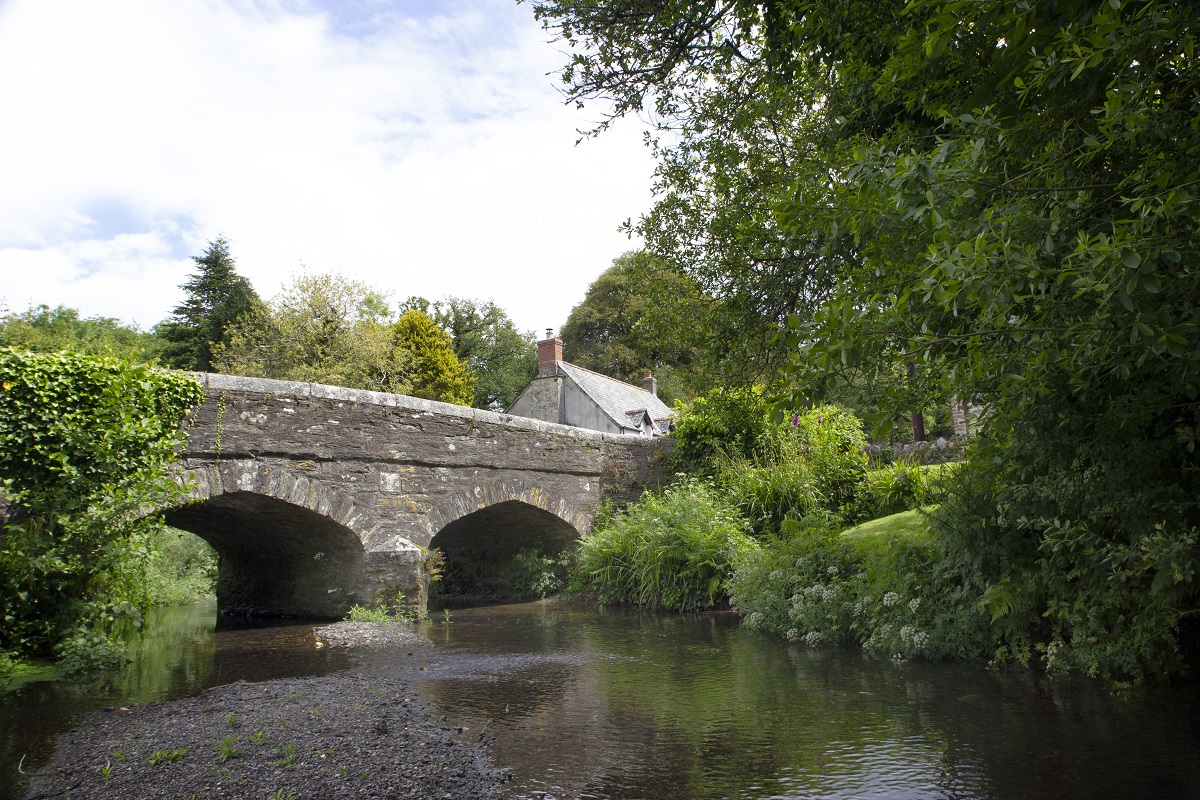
{"type": "Point", "coordinates": [890, 599]}
{"type": "Point", "coordinates": [911, 636]}
{"type": "Point", "coordinates": [754, 620]}
{"type": "Point", "coordinates": [795, 579]}
{"type": "Point", "coordinates": [819, 591]}
{"type": "Point", "coordinates": [832, 570]}
{"type": "Point", "coordinates": [793, 634]}
{"type": "Point", "coordinates": [813, 638]}
{"type": "Point", "coordinates": [776, 575]}
{"type": "Point", "coordinates": [914, 604]}
{"type": "Point", "coordinates": [1053, 651]}
{"type": "Point", "coordinates": [801, 560]}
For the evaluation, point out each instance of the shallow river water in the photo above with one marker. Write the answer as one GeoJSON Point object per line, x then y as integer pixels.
{"type": "Point", "coordinates": [587, 703]}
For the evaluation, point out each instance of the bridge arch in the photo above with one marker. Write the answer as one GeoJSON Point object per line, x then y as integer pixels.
{"type": "Point", "coordinates": [489, 526]}
{"type": "Point", "coordinates": [287, 546]}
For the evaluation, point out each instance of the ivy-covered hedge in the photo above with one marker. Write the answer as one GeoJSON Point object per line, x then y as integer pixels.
{"type": "Point", "coordinates": [84, 446]}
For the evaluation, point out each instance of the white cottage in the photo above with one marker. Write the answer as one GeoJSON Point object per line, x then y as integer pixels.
{"type": "Point", "coordinates": [571, 395]}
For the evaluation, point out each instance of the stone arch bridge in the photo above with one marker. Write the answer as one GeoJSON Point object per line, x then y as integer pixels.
{"type": "Point", "coordinates": [320, 497]}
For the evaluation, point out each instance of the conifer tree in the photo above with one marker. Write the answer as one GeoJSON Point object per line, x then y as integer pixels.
{"type": "Point", "coordinates": [216, 297]}
{"type": "Point", "coordinates": [436, 373]}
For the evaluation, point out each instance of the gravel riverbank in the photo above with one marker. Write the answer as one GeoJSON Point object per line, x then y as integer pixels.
{"type": "Point", "coordinates": [346, 735]}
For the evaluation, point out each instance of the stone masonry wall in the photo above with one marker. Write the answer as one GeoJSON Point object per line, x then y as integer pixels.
{"type": "Point", "coordinates": [394, 470]}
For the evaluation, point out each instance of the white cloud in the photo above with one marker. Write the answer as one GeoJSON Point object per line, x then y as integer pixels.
{"type": "Point", "coordinates": [424, 152]}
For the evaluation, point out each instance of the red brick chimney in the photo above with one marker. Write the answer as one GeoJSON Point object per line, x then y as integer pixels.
{"type": "Point", "coordinates": [650, 384]}
{"type": "Point", "coordinates": [549, 354]}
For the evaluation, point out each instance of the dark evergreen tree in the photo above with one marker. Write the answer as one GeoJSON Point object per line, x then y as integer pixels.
{"type": "Point", "coordinates": [216, 297]}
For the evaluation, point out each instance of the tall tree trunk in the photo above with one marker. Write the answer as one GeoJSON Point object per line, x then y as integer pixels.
{"type": "Point", "coordinates": [918, 419]}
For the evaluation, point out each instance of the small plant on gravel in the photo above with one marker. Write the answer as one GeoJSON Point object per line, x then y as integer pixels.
{"type": "Point", "coordinates": [228, 749]}
{"type": "Point", "coordinates": [118, 755]}
{"type": "Point", "coordinates": [166, 757]}
{"type": "Point", "coordinates": [287, 756]}
{"type": "Point", "coordinates": [259, 738]}
{"type": "Point", "coordinates": [106, 770]}
{"type": "Point", "coordinates": [232, 721]}
{"type": "Point", "coordinates": [381, 613]}
{"type": "Point", "coordinates": [279, 794]}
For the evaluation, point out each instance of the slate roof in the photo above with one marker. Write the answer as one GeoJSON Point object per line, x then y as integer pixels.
{"type": "Point", "coordinates": [622, 402]}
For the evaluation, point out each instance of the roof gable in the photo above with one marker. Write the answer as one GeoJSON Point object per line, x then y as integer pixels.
{"type": "Point", "coordinates": [620, 401]}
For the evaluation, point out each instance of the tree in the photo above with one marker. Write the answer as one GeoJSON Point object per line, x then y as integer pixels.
{"type": "Point", "coordinates": [435, 372]}
{"type": "Point", "coordinates": [1003, 194]}
{"type": "Point", "coordinates": [502, 359]}
{"type": "Point", "coordinates": [216, 297]}
{"type": "Point", "coordinates": [320, 328]}
{"type": "Point", "coordinates": [44, 329]}
{"type": "Point", "coordinates": [632, 319]}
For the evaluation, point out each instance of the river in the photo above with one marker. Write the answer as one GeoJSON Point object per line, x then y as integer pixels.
{"type": "Point", "coordinates": [588, 703]}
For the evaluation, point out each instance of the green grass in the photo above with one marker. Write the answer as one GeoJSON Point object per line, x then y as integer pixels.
{"type": "Point", "coordinates": [908, 525]}
{"type": "Point", "coordinates": [877, 544]}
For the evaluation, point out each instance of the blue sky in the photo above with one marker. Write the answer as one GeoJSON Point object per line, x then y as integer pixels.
{"type": "Point", "coordinates": [421, 147]}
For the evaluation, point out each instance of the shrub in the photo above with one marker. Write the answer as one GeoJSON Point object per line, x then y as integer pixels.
{"type": "Point", "coordinates": [814, 460]}
{"type": "Point", "coordinates": [1082, 545]}
{"type": "Point", "coordinates": [729, 422]}
{"type": "Point", "coordinates": [84, 444]}
{"type": "Point", "coordinates": [532, 573]}
{"type": "Point", "coordinates": [674, 549]}
{"type": "Point", "coordinates": [767, 492]}
{"type": "Point", "coordinates": [871, 586]}
{"type": "Point", "coordinates": [831, 443]}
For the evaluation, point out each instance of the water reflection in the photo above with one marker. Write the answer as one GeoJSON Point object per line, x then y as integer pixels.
{"type": "Point", "coordinates": [619, 704]}
{"type": "Point", "coordinates": [178, 654]}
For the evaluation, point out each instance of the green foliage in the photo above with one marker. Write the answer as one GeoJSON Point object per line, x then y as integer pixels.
{"type": "Point", "coordinates": [45, 330]}
{"type": "Point", "coordinates": [734, 422]}
{"type": "Point", "coordinates": [216, 297]}
{"type": "Point", "coordinates": [771, 469]}
{"type": "Point", "coordinates": [1088, 563]}
{"type": "Point", "coordinates": [382, 613]}
{"type": "Point", "coordinates": [768, 491]}
{"type": "Point", "coordinates": [182, 569]}
{"type": "Point", "coordinates": [434, 372]}
{"type": "Point", "coordinates": [166, 757]}
{"type": "Point", "coordinates": [671, 550]}
{"type": "Point", "coordinates": [639, 315]}
{"type": "Point", "coordinates": [84, 444]}
{"type": "Point", "coordinates": [830, 442]}
{"type": "Point", "coordinates": [533, 573]}
{"type": "Point", "coordinates": [323, 329]}
{"type": "Point", "coordinates": [228, 748]}
{"type": "Point", "coordinates": [875, 588]}
{"type": "Point", "coordinates": [900, 486]}
{"type": "Point", "coordinates": [1000, 194]}
{"type": "Point", "coordinates": [502, 359]}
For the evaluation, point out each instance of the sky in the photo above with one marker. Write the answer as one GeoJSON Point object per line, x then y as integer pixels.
{"type": "Point", "coordinates": [420, 146]}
